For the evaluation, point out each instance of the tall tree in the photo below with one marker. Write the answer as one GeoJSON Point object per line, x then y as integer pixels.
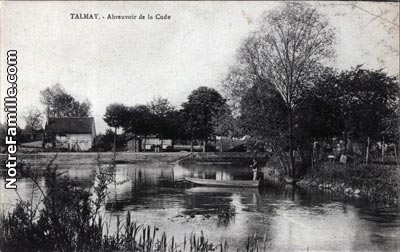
{"type": "Point", "coordinates": [357, 105]}
{"type": "Point", "coordinates": [202, 106]}
{"type": "Point", "coordinates": [140, 121]}
{"type": "Point", "coordinates": [286, 50]}
{"type": "Point", "coordinates": [366, 101]}
{"type": "Point", "coordinates": [59, 103]}
{"type": "Point", "coordinates": [115, 116]}
{"type": "Point", "coordinates": [161, 110]}
{"type": "Point", "coordinates": [174, 125]}
{"type": "Point", "coordinates": [225, 124]}
{"type": "Point", "coordinates": [263, 117]}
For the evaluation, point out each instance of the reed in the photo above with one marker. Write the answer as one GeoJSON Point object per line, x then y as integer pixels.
{"type": "Point", "coordinates": [71, 220]}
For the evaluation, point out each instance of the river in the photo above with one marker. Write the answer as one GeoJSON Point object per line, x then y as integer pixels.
{"type": "Point", "coordinates": [290, 220]}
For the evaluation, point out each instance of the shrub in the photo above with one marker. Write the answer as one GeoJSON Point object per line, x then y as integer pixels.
{"type": "Point", "coordinates": [69, 219]}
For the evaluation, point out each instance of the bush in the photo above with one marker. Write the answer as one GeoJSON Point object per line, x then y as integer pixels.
{"type": "Point", "coordinates": [69, 219]}
{"type": "Point", "coordinates": [376, 182]}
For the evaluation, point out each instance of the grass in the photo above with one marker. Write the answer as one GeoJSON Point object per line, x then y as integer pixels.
{"type": "Point", "coordinates": [380, 183]}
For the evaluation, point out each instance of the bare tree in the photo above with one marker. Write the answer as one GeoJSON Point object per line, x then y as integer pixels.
{"type": "Point", "coordinates": [286, 50]}
{"type": "Point", "coordinates": [59, 103]}
{"type": "Point", "coordinates": [33, 120]}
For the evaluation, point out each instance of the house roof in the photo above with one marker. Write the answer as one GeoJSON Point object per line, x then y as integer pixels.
{"type": "Point", "coordinates": [75, 125]}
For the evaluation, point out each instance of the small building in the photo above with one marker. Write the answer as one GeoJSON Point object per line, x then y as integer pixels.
{"type": "Point", "coordinates": [150, 143]}
{"type": "Point", "coordinates": [133, 144]}
{"type": "Point", "coordinates": [77, 133]}
{"type": "Point", "coordinates": [154, 143]}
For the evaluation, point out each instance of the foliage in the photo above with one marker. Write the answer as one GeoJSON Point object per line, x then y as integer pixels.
{"type": "Point", "coordinates": [263, 114]}
{"type": "Point", "coordinates": [61, 104]}
{"type": "Point", "coordinates": [286, 50]}
{"type": "Point", "coordinates": [367, 98]}
{"type": "Point", "coordinates": [204, 114]}
{"type": "Point", "coordinates": [174, 125]}
{"type": "Point", "coordinates": [165, 118]}
{"type": "Point", "coordinates": [379, 183]}
{"type": "Point", "coordinates": [20, 137]}
{"type": "Point", "coordinates": [139, 120]}
{"type": "Point", "coordinates": [158, 117]}
{"type": "Point", "coordinates": [104, 142]}
{"type": "Point", "coordinates": [225, 124]}
{"type": "Point", "coordinates": [357, 104]}
{"type": "Point", "coordinates": [160, 107]}
{"type": "Point", "coordinates": [116, 115]}
{"type": "Point", "coordinates": [288, 47]}
{"type": "Point", "coordinates": [33, 119]}
{"type": "Point", "coordinates": [69, 219]}
{"type": "Point", "coordinates": [202, 106]}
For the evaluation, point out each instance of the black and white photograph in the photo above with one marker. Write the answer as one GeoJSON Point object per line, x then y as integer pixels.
{"type": "Point", "coordinates": [197, 126]}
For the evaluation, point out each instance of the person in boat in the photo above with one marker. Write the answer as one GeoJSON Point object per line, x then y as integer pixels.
{"type": "Point", "coordinates": [254, 167]}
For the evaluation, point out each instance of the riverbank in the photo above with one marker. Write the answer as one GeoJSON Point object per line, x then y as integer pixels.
{"type": "Point", "coordinates": [224, 158]}
{"type": "Point", "coordinates": [83, 158]}
{"type": "Point", "coordinates": [378, 183]}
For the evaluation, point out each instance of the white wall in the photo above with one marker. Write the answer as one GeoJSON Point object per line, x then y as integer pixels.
{"type": "Point", "coordinates": [79, 142]}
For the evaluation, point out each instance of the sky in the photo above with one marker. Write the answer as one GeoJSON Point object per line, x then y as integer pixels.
{"type": "Point", "coordinates": [134, 61]}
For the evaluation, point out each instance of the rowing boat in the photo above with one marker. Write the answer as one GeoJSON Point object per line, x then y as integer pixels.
{"type": "Point", "coordinates": [224, 183]}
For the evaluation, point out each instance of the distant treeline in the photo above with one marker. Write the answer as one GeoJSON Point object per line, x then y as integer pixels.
{"type": "Point", "coordinates": [201, 117]}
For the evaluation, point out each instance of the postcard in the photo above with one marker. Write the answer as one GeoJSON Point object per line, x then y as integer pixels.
{"type": "Point", "coordinates": [199, 126]}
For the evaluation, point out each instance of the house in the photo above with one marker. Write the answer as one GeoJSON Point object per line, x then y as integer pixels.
{"type": "Point", "coordinates": [133, 144]}
{"type": "Point", "coordinates": [76, 133]}
{"type": "Point", "coordinates": [149, 143]}
{"type": "Point", "coordinates": [154, 143]}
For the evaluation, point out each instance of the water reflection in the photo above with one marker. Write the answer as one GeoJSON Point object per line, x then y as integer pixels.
{"type": "Point", "coordinates": [156, 194]}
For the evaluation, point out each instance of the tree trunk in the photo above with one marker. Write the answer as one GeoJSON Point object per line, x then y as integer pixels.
{"type": "Point", "coordinates": [383, 150]}
{"type": "Point", "coordinates": [115, 141]}
{"type": "Point", "coordinates": [367, 152]}
{"type": "Point", "coordinates": [204, 145]}
{"type": "Point", "coordinates": [191, 144]}
{"type": "Point", "coordinates": [312, 155]}
{"type": "Point", "coordinates": [162, 139]}
{"type": "Point", "coordinates": [291, 158]}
